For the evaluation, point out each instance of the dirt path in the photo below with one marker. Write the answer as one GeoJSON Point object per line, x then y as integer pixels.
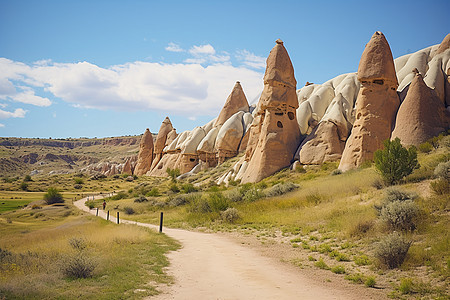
{"type": "Point", "coordinates": [211, 266]}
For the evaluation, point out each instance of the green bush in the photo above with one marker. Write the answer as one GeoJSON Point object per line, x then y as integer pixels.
{"type": "Point", "coordinates": [395, 162]}
{"type": "Point", "coordinates": [24, 186]}
{"type": "Point", "coordinates": [230, 215]}
{"type": "Point", "coordinates": [440, 186]}
{"type": "Point", "coordinates": [154, 192]}
{"type": "Point", "coordinates": [120, 195]}
{"type": "Point", "coordinates": [53, 196]}
{"type": "Point", "coordinates": [217, 202]}
{"type": "Point", "coordinates": [338, 269]}
{"type": "Point", "coordinates": [425, 147]}
{"type": "Point", "coordinates": [281, 188]}
{"type": "Point", "coordinates": [198, 204]}
{"type": "Point", "coordinates": [78, 266]}
{"type": "Point", "coordinates": [188, 188]}
{"type": "Point", "coordinates": [393, 194]}
{"type": "Point", "coordinates": [90, 204]}
{"type": "Point", "coordinates": [140, 199]}
{"type": "Point", "coordinates": [173, 173]}
{"type": "Point", "coordinates": [129, 210]}
{"type": "Point", "coordinates": [362, 260]}
{"type": "Point", "coordinates": [406, 286]}
{"type": "Point", "coordinates": [321, 264]}
{"type": "Point", "coordinates": [27, 178]}
{"type": "Point", "coordinates": [78, 180]}
{"type": "Point", "coordinates": [174, 188]}
{"type": "Point", "coordinates": [370, 281]}
{"type": "Point", "coordinates": [391, 250]}
{"type": "Point", "coordinates": [442, 170]}
{"type": "Point", "coordinates": [400, 215]}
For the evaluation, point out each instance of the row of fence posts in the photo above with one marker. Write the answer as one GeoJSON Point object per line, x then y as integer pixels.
{"type": "Point", "coordinates": [107, 216]}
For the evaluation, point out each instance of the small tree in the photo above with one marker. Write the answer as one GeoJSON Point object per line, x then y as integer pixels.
{"type": "Point", "coordinates": [173, 173]}
{"type": "Point", "coordinates": [53, 196]}
{"type": "Point", "coordinates": [395, 161]}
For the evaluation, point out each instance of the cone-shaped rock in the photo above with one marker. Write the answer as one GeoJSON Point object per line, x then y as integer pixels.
{"type": "Point", "coordinates": [161, 140]}
{"type": "Point", "coordinates": [275, 129]}
{"type": "Point", "coordinates": [235, 102]}
{"type": "Point", "coordinates": [145, 156]}
{"type": "Point", "coordinates": [376, 105]}
{"type": "Point", "coordinates": [421, 115]}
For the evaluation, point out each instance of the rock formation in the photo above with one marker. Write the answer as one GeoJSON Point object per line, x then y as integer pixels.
{"type": "Point", "coordinates": [279, 132]}
{"type": "Point", "coordinates": [229, 137]}
{"type": "Point", "coordinates": [376, 105]}
{"type": "Point", "coordinates": [161, 139]}
{"type": "Point", "coordinates": [421, 115]}
{"type": "Point", "coordinates": [145, 157]}
{"type": "Point", "coordinates": [235, 102]}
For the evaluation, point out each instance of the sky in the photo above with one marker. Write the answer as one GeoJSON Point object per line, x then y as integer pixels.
{"type": "Point", "coordinates": [91, 68]}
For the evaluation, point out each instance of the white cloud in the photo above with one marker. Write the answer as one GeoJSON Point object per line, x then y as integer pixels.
{"type": "Point", "coordinates": [202, 50]}
{"type": "Point", "coordinates": [251, 60]}
{"type": "Point", "coordinates": [2, 125]}
{"type": "Point", "coordinates": [190, 89]}
{"type": "Point", "coordinates": [18, 113]}
{"type": "Point", "coordinates": [172, 47]}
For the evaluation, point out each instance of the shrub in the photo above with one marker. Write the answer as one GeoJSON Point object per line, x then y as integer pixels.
{"type": "Point", "coordinates": [77, 186]}
{"type": "Point", "coordinates": [53, 196]}
{"type": "Point", "coordinates": [400, 215]}
{"type": "Point", "coordinates": [252, 194]}
{"type": "Point", "coordinates": [90, 204]}
{"type": "Point", "coordinates": [378, 184]}
{"type": "Point", "coordinates": [314, 198]}
{"type": "Point", "coordinates": [24, 186]}
{"type": "Point", "coordinates": [174, 188]}
{"type": "Point", "coordinates": [440, 186]}
{"type": "Point", "coordinates": [217, 202]}
{"type": "Point", "coordinates": [362, 260]}
{"type": "Point", "coordinates": [188, 188]}
{"type": "Point", "coordinates": [78, 180]}
{"type": "Point", "coordinates": [391, 250]}
{"type": "Point", "coordinates": [178, 200]}
{"type": "Point", "coordinates": [321, 264]}
{"type": "Point", "coordinates": [78, 243]}
{"type": "Point", "coordinates": [230, 215]}
{"type": "Point", "coordinates": [370, 281]}
{"type": "Point", "coordinates": [27, 178]}
{"type": "Point", "coordinates": [281, 188]}
{"type": "Point", "coordinates": [129, 210]}
{"type": "Point", "coordinates": [355, 278]}
{"type": "Point", "coordinates": [406, 286]}
{"type": "Point", "coordinates": [361, 227]}
{"type": "Point", "coordinates": [425, 147]}
{"type": "Point", "coordinates": [442, 170]}
{"type": "Point", "coordinates": [140, 199]}
{"type": "Point", "coordinates": [393, 194]}
{"type": "Point", "coordinates": [338, 269]}
{"type": "Point", "coordinates": [173, 173]}
{"type": "Point", "coordinates": [395, 162]}
{"type": "Point", "coordinates": [336, 172]}
{"type": "Point", "coordinates": [78, 266]}
{"type": "Point", "coordinates": [154, 192]}
{"type": "Point", "coordinates": [119, 195]}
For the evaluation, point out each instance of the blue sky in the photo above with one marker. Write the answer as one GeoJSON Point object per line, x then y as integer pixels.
{"type": "Point", "coordinates": [109, 68]}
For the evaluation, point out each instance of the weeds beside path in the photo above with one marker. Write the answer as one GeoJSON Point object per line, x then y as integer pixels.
{"type": "Point", "coordinates": [211, 265]}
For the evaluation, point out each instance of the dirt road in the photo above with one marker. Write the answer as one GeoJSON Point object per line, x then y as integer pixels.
{"type": "Point", "coordinates": [210, 266]}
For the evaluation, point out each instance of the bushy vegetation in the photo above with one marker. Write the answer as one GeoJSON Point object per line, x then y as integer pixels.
{"type": "Point", "coordinates": [53, 196]}
{"type": "Point", "coordinates": [392, 249]}
{"type": "Point", "coordinates": [395, 162]}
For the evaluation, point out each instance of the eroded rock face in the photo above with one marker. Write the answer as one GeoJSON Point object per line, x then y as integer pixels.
{"type": "Point", "coordinates": [376, 105]}
{"type": "Point", "coordinates": [145, 156]}
{"type": "Point", "coordinates": [279, 132]}
{"type": "Point", "coordinates": [235, 102]}
{"type": "Point", "coordinates": [161, 141]}
{"type": "Point", "coordinates": [229, 137]}
{"type": "Point", "coordinates": [421, 115]}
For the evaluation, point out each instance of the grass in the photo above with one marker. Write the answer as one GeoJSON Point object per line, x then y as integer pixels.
{"type": "Point", "coordinates": [38, 246]}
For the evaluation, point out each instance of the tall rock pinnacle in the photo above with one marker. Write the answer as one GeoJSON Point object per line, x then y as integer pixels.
{"type": "Point", "coordinates": [235, 102]}
{"type": "Point", "coordinates": [376, 105]}
{"type": "Point", "coordinates": [275, 134]}
{"type": "Point", "coordinates": [161, 140]}
{"type": "Point", "coordinates": [145, 157]}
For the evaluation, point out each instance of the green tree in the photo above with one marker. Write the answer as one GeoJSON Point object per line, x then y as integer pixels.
{"type": "Point", "coordinates": [173, 173]}
{"type": "Point", "coordinates": [53, 196]}
{"type": "Point", "coordinates": [395, 162]}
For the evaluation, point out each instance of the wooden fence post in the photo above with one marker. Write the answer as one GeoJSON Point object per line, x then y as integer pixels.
{"type": "Point", "coordinates": [117, 217]}
{"type": "Point", "coordinates": [96, 213]}
{"type": "Point", "coordinates": [107, 216]}
{"type": "Point", "coordinates": [161, 222]}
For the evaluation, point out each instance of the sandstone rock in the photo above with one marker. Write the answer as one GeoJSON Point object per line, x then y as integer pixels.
{"type": "Point", "coordinates": [129, 165]}
{"type": "Point", "coordinates": [229, 137]}
{"type": "Point", "coordinates": [445, 44]}
{"type": "Point", "coordinates": [235, 102]}
{"type": "Point", "coordinates": [279, 132]}
{"type": "Point", "coordinates": [161, 139]}
{"type": "Point", "coordinates": [145, 156]}
{"type": "Point", "coordinates": [206, 150]}
{"type": "Point", "coordinates": [421, 115]}
{"type": "Point", "coordinates": [376, 105]}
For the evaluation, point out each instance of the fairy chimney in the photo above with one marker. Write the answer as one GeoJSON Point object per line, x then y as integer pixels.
{"type": "Point", "coordinates": [421, 115]}
{"type": "Point", "coordinates": [161, 141]}
{"type": "Point", "coordinates": [145, 156]}
{"type": "Point", "coordinates": [376, 104]}
{"type": "Point", "coordinates": [279, 134]}
{"type": "Point", "coordinates": [235, 102]}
